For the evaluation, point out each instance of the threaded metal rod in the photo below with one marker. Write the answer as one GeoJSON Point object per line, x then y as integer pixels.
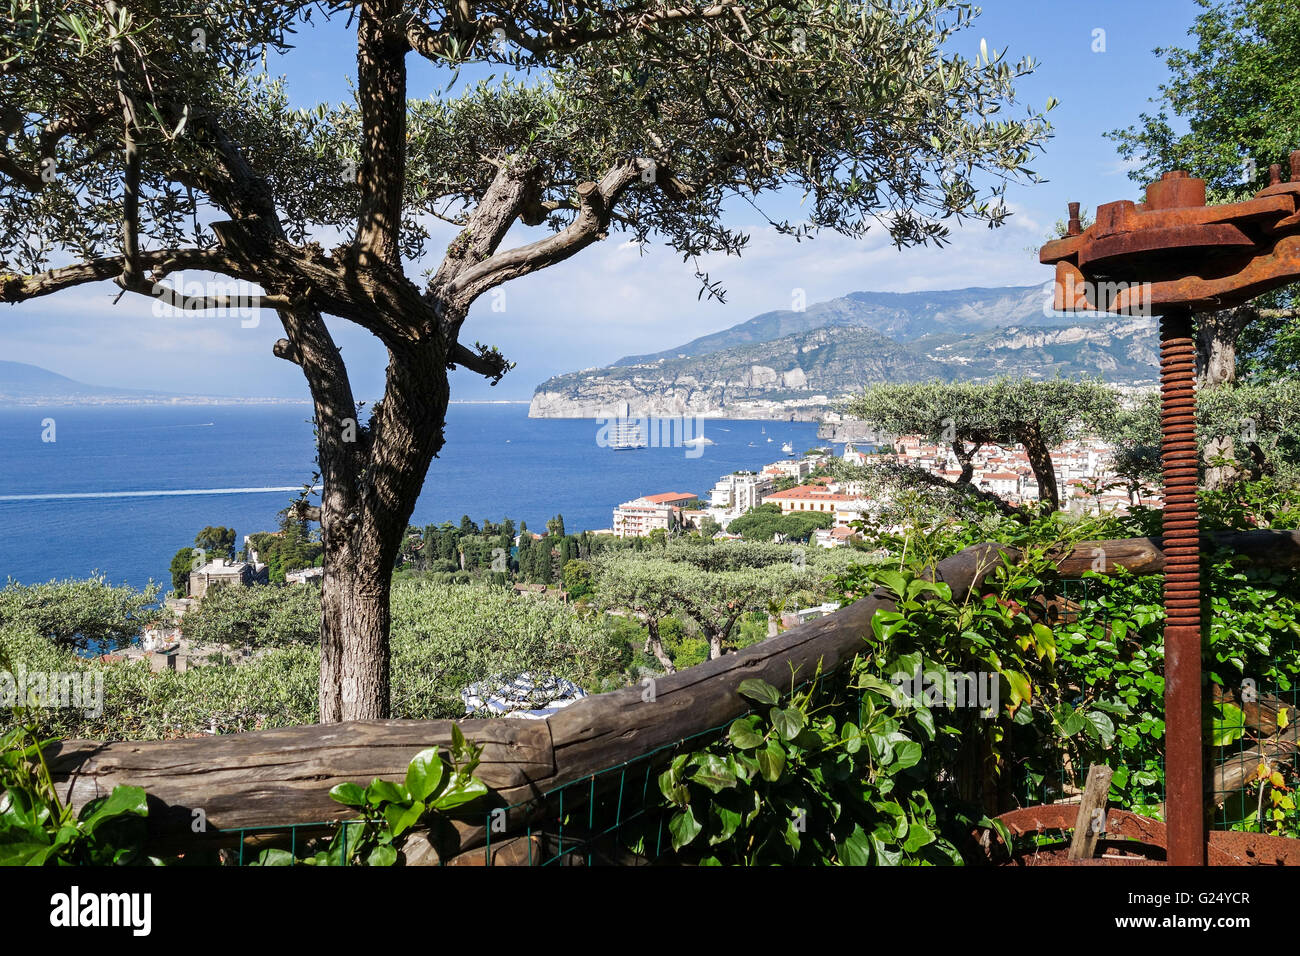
{"type": "Point", "coordinates": [1184, 756]}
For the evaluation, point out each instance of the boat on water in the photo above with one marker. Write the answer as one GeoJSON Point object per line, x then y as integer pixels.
{"type": "Point", "coordinates": [626, 436]}
{"type": "Point", "coordinates": [700, 440]}
{"type": "Point", "coordinates": [788, 448]}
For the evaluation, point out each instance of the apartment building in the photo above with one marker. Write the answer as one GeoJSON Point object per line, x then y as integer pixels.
{"type": "Point", "coordinates": [637, 518]}
{"type": "Point", "coordinates": [740, 491]}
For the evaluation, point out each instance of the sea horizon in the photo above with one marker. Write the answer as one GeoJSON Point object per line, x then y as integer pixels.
{"type": "Point", "coordinates": [122, 488]}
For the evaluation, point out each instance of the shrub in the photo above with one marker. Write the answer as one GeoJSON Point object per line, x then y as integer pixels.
{"type": "Point", "coordinates": [443, 637]}
{"type": "Point", "coordinates": [256, 617]}
{"type": "Point", "coordinates": [88, 615]}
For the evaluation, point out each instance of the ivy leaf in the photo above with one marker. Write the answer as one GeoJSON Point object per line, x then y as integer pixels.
{"type": "Point", "coordinates": [917, 837]}
{"type": "Point", "coordinates": [123, 801]}
{"type": "Point", "coordinates": [385, 791]}
{"type": "Point", "coordinates": [1100, 727]}
{"type": "Point", "coordinates": [348, 794]}
{"type": "Point", "coordinates": [400, 818]}
{"type": "Point", "coordinates": [382, 856]}
{"type": "Point", "coordinates": [713, 772]}
{"type": "Point", "coordinates": [1021, 690]}
{"type": "Point", "coordinates": [759, 690]}
{"type": "Point", "coordinates": [424, 774]}
{"type": "Point", "coordinates": [787, 722]}
{"type": "Point", "coordinates": [274, 857]}
{"type": "Point", "coordinates": [744, 734]}
{"type": "Point", "coordinates": [907, 753]}
{"type": "Point", "coordinates": [684, 828]}
{"type": "Point", "coordinates": [771, 761]}
{"type": "Point", "coordinates": [729, 821]}
{"type": "Point", "coordinates": [855, 850]}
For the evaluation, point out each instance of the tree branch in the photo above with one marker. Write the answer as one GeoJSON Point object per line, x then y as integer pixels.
{"type": "Point", "coordinates": [595, 204]}
{"type": "Point", "coordinates": [15, 288]}
{"type": "Point", "coordinates": [381, 96]}
{"type": "Point", "coordinates": [549, 37]}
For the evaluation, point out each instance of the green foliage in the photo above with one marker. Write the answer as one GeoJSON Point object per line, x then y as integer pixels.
{"type": "Point", "coordinates": [182, 564]}
{"type": "Point", "coordinates": [1263, 423]}
{"type": "Point", "coordinates": [256, 617]}
{"type": "Point", "coordinates": [447, 637]}
{"type": "Point", "coordinates": [764, 522]}
{"type": "Point", "coordinates": [443, 638]}
{"type": "Point", "coordinates": [709, 526]}
{"type": "Point", "coordinates": [710, 584]}
{"type": "Point", "coordinates": [1251, 504]}
{"type": "Point", "coordinates": [578, 580]}
{"type": "Point", "coordinates": [38, 829]}
{"type": "Point", "coordinates": [436, 784]}
{"type": "Point", "coordinates": [1226, 112]}
{"type": "Point", "coordinates": [808, 779]}
{"type": "Point", "coordinates": [1002, 412]}
{"type": "Point", "coordinates": [88, 615]}
{"type": "Point", "coordinates": [216, 542]}
{"type": "Point", "coordinates": [684, 648]}
{"type": "Point", "coordinates": [293, 547]}
{"type": "Point", "coordinates": [1038, 415]}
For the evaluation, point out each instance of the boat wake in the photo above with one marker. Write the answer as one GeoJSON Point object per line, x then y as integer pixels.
{"type": "Point", "coordinates": [166, 493]}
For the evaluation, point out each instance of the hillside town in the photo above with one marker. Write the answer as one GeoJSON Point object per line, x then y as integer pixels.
{"type": "Point", "coordinates": [1084, 475]}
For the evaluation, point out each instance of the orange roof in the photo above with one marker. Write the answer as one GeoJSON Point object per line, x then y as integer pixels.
{"type": "Point", "coordinates": [808, 491]}
{"type": "Point", "coordinates": [668, 496]}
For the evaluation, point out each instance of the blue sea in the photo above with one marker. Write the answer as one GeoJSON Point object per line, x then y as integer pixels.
{"type": "Point", "coordinates": [103, 495]}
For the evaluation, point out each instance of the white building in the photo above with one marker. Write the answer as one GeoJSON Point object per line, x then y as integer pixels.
{"type": "Point", "coordinates": [637, 518]}
{"type": "Point", "coordinates": [740, 491]}
{"type": "Point", "coordinates": [1003, 483]}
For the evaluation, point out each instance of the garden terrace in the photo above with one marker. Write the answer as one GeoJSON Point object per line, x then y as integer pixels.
{"type": "Point", "coordinates": [280, 779]}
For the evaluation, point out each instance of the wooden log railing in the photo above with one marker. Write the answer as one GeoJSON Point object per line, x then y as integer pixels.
{"type": "Point", "coordinates": [282, 777]}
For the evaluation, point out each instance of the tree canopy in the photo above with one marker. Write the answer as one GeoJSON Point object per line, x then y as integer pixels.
{"type": "Point", "coordinates": [966, 416]}
{"type": "Point", "coordinates": [1228, 111]}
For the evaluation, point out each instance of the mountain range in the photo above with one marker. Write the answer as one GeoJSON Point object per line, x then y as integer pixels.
{"type": "Point", "coordinates": [797, 364]}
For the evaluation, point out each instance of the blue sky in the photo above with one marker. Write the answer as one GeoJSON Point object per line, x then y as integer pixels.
{"type": "Point", "coordinates": [611, 300]}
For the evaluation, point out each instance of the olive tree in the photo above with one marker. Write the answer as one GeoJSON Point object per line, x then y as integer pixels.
{"type": "Point", "coordinates": [712, 584]}
{"type": "Point", "coordinates": [656, 587]}
{"type": "Point", "coordinates": [1244, 431]}
{"type": "Point", "coordinates": [966, 416]}
{"type": "Point", "coordinates": [142, 138]}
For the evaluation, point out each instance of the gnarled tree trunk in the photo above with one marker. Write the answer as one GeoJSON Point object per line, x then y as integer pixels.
{"type": "Point", "coordinates": [1040, 460]}
{"type": "Point", "coordinates": [1216, 364]}
{"type": "Point", "coordinates": [655, 644]}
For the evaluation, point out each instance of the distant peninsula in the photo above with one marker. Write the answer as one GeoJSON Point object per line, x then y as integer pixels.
{"type": "Point", "coordinates": [797, 365]}
{"type": "Point", "coordinates": [26, 385]}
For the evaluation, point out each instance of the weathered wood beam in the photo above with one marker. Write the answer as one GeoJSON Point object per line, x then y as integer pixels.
{"type": "Point", "coordinates": [284, 775]}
